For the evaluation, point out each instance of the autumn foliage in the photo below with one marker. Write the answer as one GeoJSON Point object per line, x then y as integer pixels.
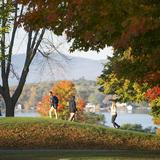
{"type": "Point", "coordinates": [153, 97]}
{"type": "Point", "coordinates": [63, 90]}
{"type": "Point", "coordinates": [153, 93]}
{"type": "Point", "coordinates": [93, 24]}
{"type": "Point", "coordinates": [43, 106]}
{"type": "Point", "coordinates": [44, 133]}
{"type": "Point", "coordinates": [80, 104]}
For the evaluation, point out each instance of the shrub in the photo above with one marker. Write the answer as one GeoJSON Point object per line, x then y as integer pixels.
{"type": "Point", "coordinates": [92, 118]}
{"type": "Point", "coordinates": [133, 127]}
{"type": "Point", "coordinates": [138, 127]}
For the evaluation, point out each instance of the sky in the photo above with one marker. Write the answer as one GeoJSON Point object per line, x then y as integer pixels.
{"type": "Point", "coordinates": [62, 45]}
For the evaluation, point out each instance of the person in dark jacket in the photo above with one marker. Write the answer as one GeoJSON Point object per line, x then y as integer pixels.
{"type": "Point", "coordinates": [53, 104]}
{"type": "Point", "coordinates": [72, 108]}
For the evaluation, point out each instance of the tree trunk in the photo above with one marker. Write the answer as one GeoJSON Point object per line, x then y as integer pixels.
{"type": "Point", "coordinates": [9, 107]}
{"type": "Point", "coordinates": [33, 42]}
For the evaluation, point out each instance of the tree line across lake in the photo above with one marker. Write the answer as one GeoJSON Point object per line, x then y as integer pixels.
{"type": "Point", "coordinates": [34, 92]}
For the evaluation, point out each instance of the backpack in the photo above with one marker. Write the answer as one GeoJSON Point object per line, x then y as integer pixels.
{"type": "Point", "coordinates": [55, 100]}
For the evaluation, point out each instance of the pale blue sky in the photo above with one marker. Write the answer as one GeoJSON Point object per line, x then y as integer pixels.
{"type": "Point", "coordinates": [63, 46]}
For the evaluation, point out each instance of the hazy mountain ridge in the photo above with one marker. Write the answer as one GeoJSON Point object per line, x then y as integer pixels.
{"type": "Point", "coordinates": [58, 67]}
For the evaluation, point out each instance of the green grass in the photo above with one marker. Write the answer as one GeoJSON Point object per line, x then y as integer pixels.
{"type": "Point", "coordinates": [45, 133]}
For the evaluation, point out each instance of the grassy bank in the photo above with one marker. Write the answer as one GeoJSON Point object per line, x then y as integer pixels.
{"type": "Point", "coordinates": [44, 133]}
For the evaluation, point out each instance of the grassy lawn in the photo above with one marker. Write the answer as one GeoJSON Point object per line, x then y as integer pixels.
{"type": "Point", "coordinates": [78, 155]}
{"type": "Point", "coordinates": [45, 133]}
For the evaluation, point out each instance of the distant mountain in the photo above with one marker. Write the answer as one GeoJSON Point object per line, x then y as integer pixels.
{"type": "Point", "coordinates": [58, 67]}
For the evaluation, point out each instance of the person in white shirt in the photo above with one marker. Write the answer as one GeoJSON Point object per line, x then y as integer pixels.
{"type": "Point", "coordinates": [114, 114]}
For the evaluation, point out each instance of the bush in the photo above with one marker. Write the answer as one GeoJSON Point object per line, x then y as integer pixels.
{"type": "Point", "coordinates": [92, 118]}
{"type": "Point", "coordinates": [138, 127]}
{"type": "Point", "coordinates": [133, 127]}
{"type": "Point", "coordinates": [150, 130]}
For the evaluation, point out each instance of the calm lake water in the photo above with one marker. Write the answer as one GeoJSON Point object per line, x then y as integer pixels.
{"type": "Point", "coordinates": [27, 114]}
{"type": "Point", "coordinates": [123, 117]}
{"type": "Point", "coordinates": [133, 118]}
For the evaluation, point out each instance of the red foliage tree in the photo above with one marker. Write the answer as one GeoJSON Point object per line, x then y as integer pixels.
{"type": "Point", "coordinates": [43, 106]}
{"type": "Point", "coordinates": [63, 90]}
{"type": "Point", "coordinates": [153, 93]}
{"type": "Point", "coordinates": [80, 104]}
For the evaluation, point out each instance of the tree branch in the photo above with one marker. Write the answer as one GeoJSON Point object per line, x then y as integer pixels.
{"type": "Point", "coordinates": [13, 38]}
{"type": "Point", "coordinates": [3, 46]}
{"type": "Point", "coordinates": [37, 45]}
{"type": "Point", "coordinates": [39, 40]}
{"type": "Point", "coordinates": [25, 70]}
{"type": "Point", "coordinates": [5, 87]}
{"type": "Point", "coordinates": [34, 39]}
{"type": "Point", "coordinates": [29, 57]}
{"type": "Point", "coordinates": [12, 42]}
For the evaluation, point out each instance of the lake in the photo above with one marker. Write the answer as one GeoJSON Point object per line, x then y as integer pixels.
{"type": "Point", "coordinates": [123, 117]}
{"type": "Point", "coordinates": [27, 114]}
{"type": "Point", "coordinates": [133, 118]}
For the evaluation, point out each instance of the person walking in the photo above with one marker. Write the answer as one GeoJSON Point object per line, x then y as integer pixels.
{"type": "Point", "coordinates": [53, 104]}
{"type": "Point", "coordinates": [114, 114]}
{"type": "Point", "coordinates": [72, 108]}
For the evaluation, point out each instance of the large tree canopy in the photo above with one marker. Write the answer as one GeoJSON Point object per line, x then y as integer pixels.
{"type": "Point", "coordinates": [93, 24]}
{"type": "Point", "coordinates": [131, 27]}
